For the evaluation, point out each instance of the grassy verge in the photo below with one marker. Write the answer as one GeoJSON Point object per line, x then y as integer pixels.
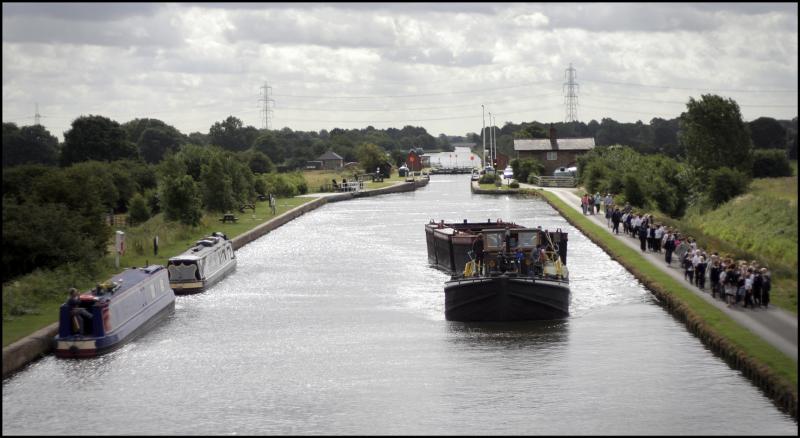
{"type": "Point", "coordinates": [38, 295]}
{"type": "Point", "coordinates": [717, 327]}
{"type": "Point", "coordinates": [760, 225]}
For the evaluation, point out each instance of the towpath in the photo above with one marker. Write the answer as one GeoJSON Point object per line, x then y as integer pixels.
{"type": "Point", "coordinates": [775, 325]}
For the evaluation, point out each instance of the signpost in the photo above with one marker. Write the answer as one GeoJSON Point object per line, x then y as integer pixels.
{"type": "Point", "coordinates": [119, 245]}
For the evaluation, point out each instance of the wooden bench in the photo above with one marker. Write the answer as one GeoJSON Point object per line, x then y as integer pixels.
{"type": "Point", "coordinates": [228, 218]}
{"type": "Point", "coordinates": [242, 207]}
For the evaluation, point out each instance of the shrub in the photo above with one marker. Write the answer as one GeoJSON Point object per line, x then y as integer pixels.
{"type": "Point", "coordinates": [138, 211]}
{"type": "Point", "coordinates": [593, 177]}
{"type": "Point", "coordinates": [285, 185]}
{"type": "Point", "coordinates": [633, 193]}
{"type": "Point", "coordinates": [769, 163]}
{"type": "Point", "coordinates": [488, 178]}
{"type": "Point", "coordinates": [513, 184]}
{"type": "Point", "coordinates": [726, 183]}
{"type": "Point", "coordinates": [524, 168]}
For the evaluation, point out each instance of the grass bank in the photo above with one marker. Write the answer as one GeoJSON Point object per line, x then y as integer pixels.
{"type": "Point", "coordinates": [320, 180]}
{"type": "Point", "coordinates": [760, 225]}
{"type": "Point", "coordinates": [36, 297]}
{"type": "Point", "coordinates": [770, 369]}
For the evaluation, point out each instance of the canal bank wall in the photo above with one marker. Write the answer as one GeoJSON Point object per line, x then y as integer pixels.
{"type": "Point", "coordinates": [778, 389]}
{"type": "Point", "coordinates": [476, 188]}
{"type": "Point", "coordinates": [40, 343]}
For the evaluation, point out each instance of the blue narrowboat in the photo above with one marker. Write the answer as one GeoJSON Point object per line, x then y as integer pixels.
{"type": "Point", "coordinates": [122, 308]}
{"type": "Point", "coordinates": [199, 267]}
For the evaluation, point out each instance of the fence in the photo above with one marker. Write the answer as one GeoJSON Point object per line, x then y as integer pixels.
{"type": "Point", "coordinates": [554, 181]}
{"type": "Point", "coordinates": [117, 220]}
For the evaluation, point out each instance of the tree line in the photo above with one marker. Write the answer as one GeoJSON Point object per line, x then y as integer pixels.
{"type": "Point", "coordinates": [718, 156]}
{"type": "Point", "coordinates": [56, 195]}
{"type": "Point", "coordinates": [659, 136]}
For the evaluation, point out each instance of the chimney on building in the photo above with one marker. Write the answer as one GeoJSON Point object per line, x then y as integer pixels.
{"type": "Point", "coordinates": [553, 138]}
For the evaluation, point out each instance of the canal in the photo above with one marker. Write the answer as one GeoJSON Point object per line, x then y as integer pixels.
{"type": "Point", "coordinates": [334, 324]}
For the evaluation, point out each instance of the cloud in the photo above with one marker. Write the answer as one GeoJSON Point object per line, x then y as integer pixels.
{"type": "Point", "coordinates": [124, 26]}
{"type": "Point", "coordinates": [191, 64]}
{"type": "Point", "coordinates": [328, 27]}
{"type": "Point", "coordinates": [81, 11]}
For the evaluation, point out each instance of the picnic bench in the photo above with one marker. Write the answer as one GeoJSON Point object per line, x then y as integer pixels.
{"type": "Point", "coordinates": [242, 207]}
{"type": "Point", "coordinates": [228, 217]}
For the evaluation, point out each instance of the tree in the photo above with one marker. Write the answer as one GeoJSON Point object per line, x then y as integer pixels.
{"type": "Point", "coordinates": [199, 139]}
{"type": "Point", "coordinates": [767, 133]}
{"type": "Point", "coordinates": [258, 162]}
{"type": "Point", "coordinates": [45, 237]}
{"type": "Point", "coordinates": [230, 134]}
{"type": "Point", "coordinates": [216, 186]}
{"type": "Point", "coordinates": [28, 145]}
{"type": "Point", "coordinates": [96, 138]}
{"type": "Point", "coordinates": [370, 156]}
{"type": "Point", "coordinates": [633, 193]}
{"type": "Point", "coordinates": [138, 211]}
{"type": "Point", "coordinates": [180, 200]}
{"type": "Point", "coordinates": [770, 163]}
{"type": "Point", "coordinates": [523, 169]}
{"type": "Point", "coordinates": [155, 142]}
{"type": "Point", "coordinates": [443, 143]}
{"type": "Point", "coordinates": [714, 134]}
{"type": "Point", "coordinates": [665, 136]}
{"type": "Point", "coordinates": [267, 144]}
{"type": "Point", "coordinates": [18, 181]}
{"type": "Point", "coordinates": [726, 184]}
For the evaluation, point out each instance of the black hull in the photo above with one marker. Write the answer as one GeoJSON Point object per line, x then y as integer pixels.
{"type": "Point", "coordinates": [505, 298]}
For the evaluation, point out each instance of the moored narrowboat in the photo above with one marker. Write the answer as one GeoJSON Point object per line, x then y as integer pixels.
{"type": "Point", "coordinates": [500, 271]}
{"type": "Point", "coordinates": [115, 312]}
{"type": "Point", "coordinates": [199, 267]}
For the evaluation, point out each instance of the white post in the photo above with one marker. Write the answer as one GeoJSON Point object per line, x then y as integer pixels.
{"type": "Point", "coordinates": [491, 153]}
{"type": "Point", "coordinates": [494, 139]}
{"type": "Point", "coordinates": [119, 245]}
{"type": "Point", "coordinates": [483, 128]}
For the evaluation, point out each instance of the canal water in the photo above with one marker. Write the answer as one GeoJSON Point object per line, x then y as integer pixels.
{"type": "Point", "coordinates": [334, 324]}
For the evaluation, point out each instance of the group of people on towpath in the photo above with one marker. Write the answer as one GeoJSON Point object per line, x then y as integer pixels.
{"type": "Point", "coordinates": [737, 282]}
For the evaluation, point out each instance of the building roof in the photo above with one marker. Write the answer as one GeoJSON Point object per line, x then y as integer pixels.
{"type": "Point", "coordinates": [330, 155]}
{"type": "Point", "coordinates": [563, 144]}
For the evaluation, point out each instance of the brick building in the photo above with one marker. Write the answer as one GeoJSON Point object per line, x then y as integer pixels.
{"type": "Point", "coordinates": [553, 152]}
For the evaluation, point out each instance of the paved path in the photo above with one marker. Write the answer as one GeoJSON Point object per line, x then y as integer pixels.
{"type": "Point", "coordinates": [775, 325]}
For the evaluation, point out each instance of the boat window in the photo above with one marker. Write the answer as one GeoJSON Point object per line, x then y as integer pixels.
{"type": "Point", "coordinates": [494, 240]}
{"type": "Point", "coordinates": [183, 270]}
{"type": "Point", "coordinates": [527, 239]}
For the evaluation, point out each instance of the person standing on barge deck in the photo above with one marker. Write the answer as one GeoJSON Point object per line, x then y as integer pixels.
{"type": "Point", "coordinates": [477, 248]}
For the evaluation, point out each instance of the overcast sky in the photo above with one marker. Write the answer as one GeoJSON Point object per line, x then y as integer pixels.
{"type": "Point", "coordinates": [392, 64]}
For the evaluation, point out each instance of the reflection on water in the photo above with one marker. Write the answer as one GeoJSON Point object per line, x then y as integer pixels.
{"type": "Point", "coordinates": [334, 324]}
{"type": "Point", "coordinates": [509, 335]}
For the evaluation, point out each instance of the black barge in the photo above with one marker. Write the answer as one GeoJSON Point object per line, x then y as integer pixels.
{"type": "Point", "coordinates": [513, 274]}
